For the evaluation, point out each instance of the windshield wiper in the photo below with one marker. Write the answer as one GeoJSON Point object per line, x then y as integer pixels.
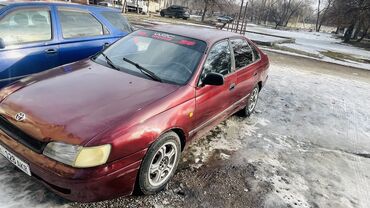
{"type": "Point", "coordinates": [144, 70]}
{"type": "Point", "coordinates": [109, 62]}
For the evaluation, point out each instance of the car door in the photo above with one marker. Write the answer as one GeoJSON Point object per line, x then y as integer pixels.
{"type": "Point", "coordinates": [30, 43]}
{"type": "Point", "coordinates": [213, 102]}
{"type": "Point", "coordinates": [171, 11]}
{"type": "Point", "coordinates": [246, 69]}
{"type": "Point", "coordinates": [81, 34]}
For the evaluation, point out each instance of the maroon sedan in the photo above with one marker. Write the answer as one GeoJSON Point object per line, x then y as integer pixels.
{"type": "Point", "coordinates": [99, 128]}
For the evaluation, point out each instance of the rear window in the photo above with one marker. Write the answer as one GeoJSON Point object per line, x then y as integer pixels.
{"type": "Point", "coordinates": [79, 24]}
{"type": "Point", "coordinates": [118, 21]}
{"type": "Point", "coordinates": [1, 6]}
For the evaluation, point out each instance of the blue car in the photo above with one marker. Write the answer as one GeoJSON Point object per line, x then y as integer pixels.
{"type": "Point", "coordinates": [36, 36]}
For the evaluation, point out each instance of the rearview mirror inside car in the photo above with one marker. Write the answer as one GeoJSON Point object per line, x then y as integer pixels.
{"type": "Point", "coordinates": [212, 78]}
{"type": "Point", "coordinates": [2, 43]}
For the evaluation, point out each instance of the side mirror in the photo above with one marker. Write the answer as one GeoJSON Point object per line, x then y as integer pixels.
{"type": "Point", "coordinates": [2, 43]}
{"type": "Point", "coordinates": [212, 78]}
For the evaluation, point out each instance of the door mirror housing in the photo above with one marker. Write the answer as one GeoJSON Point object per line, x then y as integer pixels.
{"type": "Point", "coordinates": [212, 78]}
{"type": "Point", "coordinates": [2, 43]}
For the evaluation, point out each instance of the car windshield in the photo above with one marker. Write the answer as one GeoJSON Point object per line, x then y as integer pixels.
{"type": "Point", "coordinates": [118, 21]}
{"type": "Point", "coordinates": [169, 57]}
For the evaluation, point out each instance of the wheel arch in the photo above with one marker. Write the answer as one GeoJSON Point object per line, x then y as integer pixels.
{"type": "Point", "coordinates": [260, 85]}
{"type": "Point", "coordinates": [181, 135]}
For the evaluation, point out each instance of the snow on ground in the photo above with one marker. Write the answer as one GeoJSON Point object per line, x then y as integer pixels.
{"type": "Point", "coordinates": [310, 44]}
{"type": "Point", "coordinates": [263, 38]}
{"type": "Point", "coordinates": [317, 42]}
{"type": "Point", "coordinates": [307, 145]}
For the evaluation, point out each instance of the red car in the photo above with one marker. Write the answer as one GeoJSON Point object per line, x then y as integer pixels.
{"type": "Point", "coordinates": [99, 128]}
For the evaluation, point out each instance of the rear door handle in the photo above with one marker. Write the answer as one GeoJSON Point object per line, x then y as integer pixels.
{"type": "Point", "coordinates": [232, 86]}
{"type": "Point", "coordinates": [51, 51]}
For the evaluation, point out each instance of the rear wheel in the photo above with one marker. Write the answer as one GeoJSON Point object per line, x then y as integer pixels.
{"type": "Point", "coordinates": [251, 103]}
{"type": "Point", "coordinates": [185, 18]}
{"type": "Point", "coordinates": [160, 163]}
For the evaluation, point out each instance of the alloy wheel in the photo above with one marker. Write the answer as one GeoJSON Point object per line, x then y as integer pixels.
{"type": "Point", "coordinates": [163, 164]}
{"type": "Point", "coordinates": [253, 100]}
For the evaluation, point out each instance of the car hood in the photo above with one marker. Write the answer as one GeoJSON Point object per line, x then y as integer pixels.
{"type": "Point", "coordinates": [73, 103]}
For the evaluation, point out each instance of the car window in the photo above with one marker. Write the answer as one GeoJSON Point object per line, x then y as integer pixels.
{"type": "Point", "coordinates": [243, 53]}
{"type": "Point", "coordinates": [218, 60]}
{"type": "Point", "coordinates": [171, 57]}
{"type": "Point", "coordinates": [78, 24]}
{"type": "Point", "coordinates": [1, 6]}
{"type": "Point", "coordinates": [25, 26]}
{"type": "Point", "coordinates": [257, 55]}
{"type": "Point", "coordinates": [118, 21]}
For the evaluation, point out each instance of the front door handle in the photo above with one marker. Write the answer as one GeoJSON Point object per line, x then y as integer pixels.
{"type": "Point", "coordinates": [232, 86]}
{"type": "Point", "coordinates": [51, 51]}
{"type": "Point", "coordinates": [105, 45]}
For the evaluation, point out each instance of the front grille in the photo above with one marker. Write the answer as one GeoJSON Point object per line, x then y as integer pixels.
{"type": "Point", "coordinates": [21, 137]}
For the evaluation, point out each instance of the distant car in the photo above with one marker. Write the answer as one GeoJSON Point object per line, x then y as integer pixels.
{"type": "Point", "coordinates": [176, 11]}
{"type": "Point", "coordinates": [115, 4]}
{"type": "Point", "coordinates": [105, 3]}
{"type": "Point", "coordinates": [35, 36]}
{"type": "Point", "coordinates": [94, 129]}
{"type": "Point", "coordinates": [225, 19]}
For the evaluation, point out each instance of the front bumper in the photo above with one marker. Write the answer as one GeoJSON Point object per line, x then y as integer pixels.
{"type": "Point", "coordinates": [82, 185]}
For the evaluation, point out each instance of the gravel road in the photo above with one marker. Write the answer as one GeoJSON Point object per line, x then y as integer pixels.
{"type": "Point", "coordinates": [308, 145]}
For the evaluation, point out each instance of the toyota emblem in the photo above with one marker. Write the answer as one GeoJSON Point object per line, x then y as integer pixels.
{"type": "Point", "coordinates": [20, 116]}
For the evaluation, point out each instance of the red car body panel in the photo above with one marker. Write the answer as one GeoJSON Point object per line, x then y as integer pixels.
{"type": "Point", "coordinates": [88, 104]}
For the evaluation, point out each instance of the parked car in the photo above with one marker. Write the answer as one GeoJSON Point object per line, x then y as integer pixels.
{"type": "Point", "coordinates": [112, 4]}
{"type": "Point", "coordinates": [94, 129]}
{"type": "Point", "coordinates": [105, 3]}
{"type": "Point", "coordinates": [35, 36]}
{"type": "Point", "coordinates": [225, 19]}
{"type": "Point", "coordinates": [176, 11]}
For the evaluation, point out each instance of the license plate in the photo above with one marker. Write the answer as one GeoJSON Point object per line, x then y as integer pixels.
{"type": "Point", "coordinates": [15, 160]}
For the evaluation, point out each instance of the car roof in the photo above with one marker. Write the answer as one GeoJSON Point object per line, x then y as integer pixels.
{"type": "Point", "coordinates": [43, 3]}
{"type": "Point", "coordinates": [207, 34]}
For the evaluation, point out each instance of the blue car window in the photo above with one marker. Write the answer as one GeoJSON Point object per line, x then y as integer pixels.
{"type": "Point", "coordinates": [118, 21]}
{"type": "Point", "coordinates": [25, 26]}
{"type": "Point", "coordinates": [78, 24]}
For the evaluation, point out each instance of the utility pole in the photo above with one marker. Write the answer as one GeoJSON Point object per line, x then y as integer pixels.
{"type": "Point", "coordinates": [240, 12]}
{"type": "Point", "coordinates": [244, 23]}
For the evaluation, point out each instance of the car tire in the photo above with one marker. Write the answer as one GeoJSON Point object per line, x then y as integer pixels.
{"type": "Point", "coordinates": [159, 164]}
{"type": "Point", "coordinates": [251, 103]}
{"type": "Point", "coordinates": [185, 18]}
{"type": "Point", "coordinates": [162, 14]}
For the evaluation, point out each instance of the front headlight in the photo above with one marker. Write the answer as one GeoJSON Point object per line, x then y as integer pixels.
{"type": "Point", "coordinates": [78, 156]}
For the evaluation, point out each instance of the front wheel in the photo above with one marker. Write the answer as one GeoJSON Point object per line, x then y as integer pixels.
{"type": "Point", "coordinates": [160, 163]}
{"type": "Point", "coordinates": [251, 103]}
{"type": "Point", "coordinates": [162, 14]}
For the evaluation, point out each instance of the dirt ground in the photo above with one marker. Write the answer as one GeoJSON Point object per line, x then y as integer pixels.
{"type": "Point", "coordinates": [308, 145]}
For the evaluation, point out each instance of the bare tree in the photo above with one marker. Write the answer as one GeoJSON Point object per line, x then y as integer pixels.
{"type": "Point", "coordinates": [322, 12]}
{"type": "Point", "coordinates": [283, 10]}
{"type": "Point", "coordinates": [124, 2]}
